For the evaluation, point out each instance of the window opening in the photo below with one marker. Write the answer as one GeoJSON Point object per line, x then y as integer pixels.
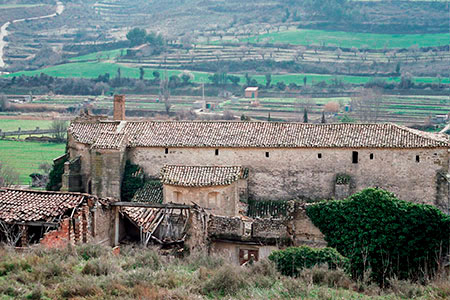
{"type": "Point", "coordinates": [355, 157]}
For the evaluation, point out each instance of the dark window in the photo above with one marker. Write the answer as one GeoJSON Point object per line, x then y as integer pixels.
{"type": "Point", "coordinates": [267, 154]}
{"type": "Point", "coordinates": [417, 158]}
{"type": "Point", "coordinates": [166, 151]}
{"type": "Point", "coordinates": [217, 151]}
{"type": "Point", "coordinates": [355, 157]}
{"type": "Point", "coordinates": [319, 155]}
{"type": "Point", "coordinates": [371, 155]}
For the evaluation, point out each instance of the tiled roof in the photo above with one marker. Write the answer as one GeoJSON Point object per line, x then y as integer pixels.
{"type": "Point", "coordinates": [201, 176]}
{"type": "Point", "coordinates": [109, 140]}
{"type": "Point", "coordinates": [28, 206]}
{"type": "Point", "coordinates": [151, 192]}
{"type": "Point", "coordinates": [146, 218]}
{"type": "Point", "coordinates": [256, 135]}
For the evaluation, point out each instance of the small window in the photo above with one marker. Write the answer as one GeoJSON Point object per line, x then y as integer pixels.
{"type": "Point", "coordinates": [267, 154]}
{"type": "Point", "coordinates": [217, 151]}
{"type": "Point", "coordinates": [319, 155]}
{"type": "Point", "coordinates": [371, 155]}
{"type": "Point", "coordinates": [355, 157]}
{"type": "Point", "coordinates": [417, 158]}
{"type": "Point", "coordinates": [166, 151]}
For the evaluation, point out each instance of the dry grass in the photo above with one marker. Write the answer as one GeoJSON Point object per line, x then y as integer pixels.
{"type": "Point", "coordinates": [93, 272]}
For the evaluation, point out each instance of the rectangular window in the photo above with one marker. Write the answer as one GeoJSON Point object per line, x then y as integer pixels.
{"type": "Point", "coordinates": [319, 155]}
{"type": "Point", "coordinates": [166, 151]}
{"type": "Point", "coordinates": [355, 157]}
{"type": "Point", "coordinates": [267, 154]}
{"type": "Point", "coordinates": [217, 151]}
{"type": "Point", "coordinates": [371, 155]}
{"type": "Point", "coordinates": [417, 158]}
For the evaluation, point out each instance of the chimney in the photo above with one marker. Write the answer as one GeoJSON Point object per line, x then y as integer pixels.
{"type": "Point", "coordinates": [119, 107]}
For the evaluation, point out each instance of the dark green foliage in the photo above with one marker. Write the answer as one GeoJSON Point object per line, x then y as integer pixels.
{"type": "Point", "coordinates": [380, 233]}
{"type": "Point", "coordinates": [293, 260]}
{"type": "Point", "coordinates": [305, 116]}
{"type": "Point", "coordinates": [343, 179]}
{"type": "Point", "coordinates": [133, 180]}
{"type": "Point", "coordinates": [264, 209]}
{"type": "Point", "coordinates": [55, 176]}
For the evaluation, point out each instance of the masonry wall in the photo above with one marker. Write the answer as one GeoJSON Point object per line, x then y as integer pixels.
{"type": "Point", "coordinates": [77, 149]}
{"type": "Point", "coordinates": [107, 168]}
{"type": "Point", "coordinates": [300, 173]}
{"type": "Point", "coordinates": [222, 200]}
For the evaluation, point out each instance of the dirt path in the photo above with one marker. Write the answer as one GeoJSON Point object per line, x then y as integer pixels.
{"type": "Point", "coordinates": [4, 30]}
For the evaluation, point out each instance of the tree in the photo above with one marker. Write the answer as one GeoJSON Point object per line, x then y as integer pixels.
{"type": "Point", "coordinates": [164, 93]}
{"type": "Point", "coordinates": [136, 36]}
{"type": "Point", "coordinates": [141, 73]}
{"type": "Point", "coordinates": [59, 128]}
{"type": "Point", "coordinates": [8, 176]}
{"type": "Point", "coordinates": [4, 103]}
{"type": "Point", "coordinates": [281, 85]}
{"type": "Point", "coordinates": [55, 176]}
{"type": "Point", "coordinates": [304, 81]}
{"type": "Point", "coordinates": [323, 121]}
{"type": "Point", "coordinates": [234, 79]}
{"type": "Point", "coordinates": [367, 104]}
{"type": "Point", "coordinates": [268, 80]}
{"type": "Point", "coordinates": [305, 115]}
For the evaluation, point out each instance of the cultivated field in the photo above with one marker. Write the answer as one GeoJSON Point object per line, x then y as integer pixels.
{"type": "Point", "coordinates": [25, 157]}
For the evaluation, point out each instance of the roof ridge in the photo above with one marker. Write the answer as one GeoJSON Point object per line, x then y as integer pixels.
{"type": "Point", "coordinates": [49, 192]}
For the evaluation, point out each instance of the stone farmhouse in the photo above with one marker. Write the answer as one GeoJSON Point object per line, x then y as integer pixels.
{"type": "Point", "coordinates": [204, 178]}
{"type": "Point", "coordinates": [282, 161]}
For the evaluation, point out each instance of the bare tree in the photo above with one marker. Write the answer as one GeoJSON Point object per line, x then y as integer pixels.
{"type": "Point", "coordinates": [299, 53]}
{"type": "Point", "coordinates": [8, 176]}
{"type": "Point", "coordinates": [4, 103]}
{"type": "Point", "coordinates": [164, 93]}
{"type": "Point", "coordinates": [367, 105]}
{"type": "Point", "coordinates": [12, 233]}
{"type": "Point", "coordinates": [59, 128]}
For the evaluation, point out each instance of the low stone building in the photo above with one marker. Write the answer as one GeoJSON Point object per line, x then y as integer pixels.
{"type": "Point", "coordinates": [53, 219]}
{"type": "Point", "coordinates": [217, 188]}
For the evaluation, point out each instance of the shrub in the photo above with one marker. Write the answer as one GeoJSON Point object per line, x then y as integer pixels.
{"type": "Point", "coordinates": [90, 251]}
{"type": "Point", "coordinates": [227, 280]}
{"type": "Point", "coordinates": [97, 267]}
{"type": "Point", "coordinates": [292, 260]}
{"type": "Point", "coordinates": [322, 275]}
{"type": "Point", "coordinates": [381, 233]}
{"type": "Point", "coordinates": [79, 287]}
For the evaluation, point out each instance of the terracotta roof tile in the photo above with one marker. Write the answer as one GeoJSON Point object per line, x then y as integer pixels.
{"type": "Point", "coordinates": [27, 206]}
{"type": "Point", "coordinates": [146, 218]}
{"type": "Point", "coordinates": [151, 192]}
{"type": "Point", "coordinates": [256, 135]}
{"type": "Point", "coordinates": [201, 176]}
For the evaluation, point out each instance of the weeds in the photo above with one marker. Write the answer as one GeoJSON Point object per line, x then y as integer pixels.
{"type": "Point", "coordinates": [93, 272]}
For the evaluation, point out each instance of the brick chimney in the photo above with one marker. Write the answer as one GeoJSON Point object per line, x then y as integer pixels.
{"type": "Point", "coordinates": [119, 107]}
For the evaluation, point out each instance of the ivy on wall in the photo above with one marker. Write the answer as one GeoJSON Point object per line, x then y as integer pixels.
{"type": "Point", "coordinates": [383, 234]}
{"type": "Point", "coordinates": [133, 180]}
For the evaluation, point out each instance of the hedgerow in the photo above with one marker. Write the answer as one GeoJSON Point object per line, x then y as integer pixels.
{"type": "Point", "coordinates": [388, 236]}
{"type": "Point", "coordinates": [293, 260]}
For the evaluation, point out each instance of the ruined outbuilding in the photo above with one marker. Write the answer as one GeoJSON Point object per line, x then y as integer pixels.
{"type": "Point", "coordinates": [53, 219]}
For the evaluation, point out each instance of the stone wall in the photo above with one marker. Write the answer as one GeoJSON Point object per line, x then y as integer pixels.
{"type": "Point", "coordinates": [107, 168]}
{"type": "Point", "coordinates": [222, 200]}
{"type": "Point", "coordinates": [300, 173]}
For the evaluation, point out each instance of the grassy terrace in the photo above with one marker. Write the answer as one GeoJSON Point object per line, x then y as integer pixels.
{"type": "Point", "coordinates": [12, 125]}
{"type": "Point", "coordinates": [25, 157]}
{"type": "Point", "coordinates": [352, 39]}
{"type": "Point", "coordinates": [94, 69]}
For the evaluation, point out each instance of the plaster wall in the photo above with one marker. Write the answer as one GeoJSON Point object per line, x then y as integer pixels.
{"type": "Point", "coordinates": [222, 200]}
{"type": "Point", "coordinates": [230, 251]}
{"type": "Point", "coordinates": [300, 173]}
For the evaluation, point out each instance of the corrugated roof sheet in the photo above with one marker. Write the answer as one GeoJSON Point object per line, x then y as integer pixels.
{"type": "Point", "coordinates": [201, 176]}
{"type": "Point", "coordinates": [256, 135]}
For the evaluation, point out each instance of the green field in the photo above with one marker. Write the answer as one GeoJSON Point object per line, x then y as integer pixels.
{"type": "Point", "coordinates": [102, 55]}
{"type": "Point", "coordinates": [5, 6]}
{"type": "Point", "coordinates": [94, 69]}
{"type": "Point", "coordinates": [13, 125]}
{"type": "Point", "coordinates": [25, 157]}
{"type": "Point", "coordinates": [352, 39]}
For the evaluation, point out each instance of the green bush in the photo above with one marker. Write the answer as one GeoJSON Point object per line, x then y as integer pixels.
{"type": "Point", "coordinates": [383, 234]}
{"type": "Point", "coordinates": [293, 260]}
